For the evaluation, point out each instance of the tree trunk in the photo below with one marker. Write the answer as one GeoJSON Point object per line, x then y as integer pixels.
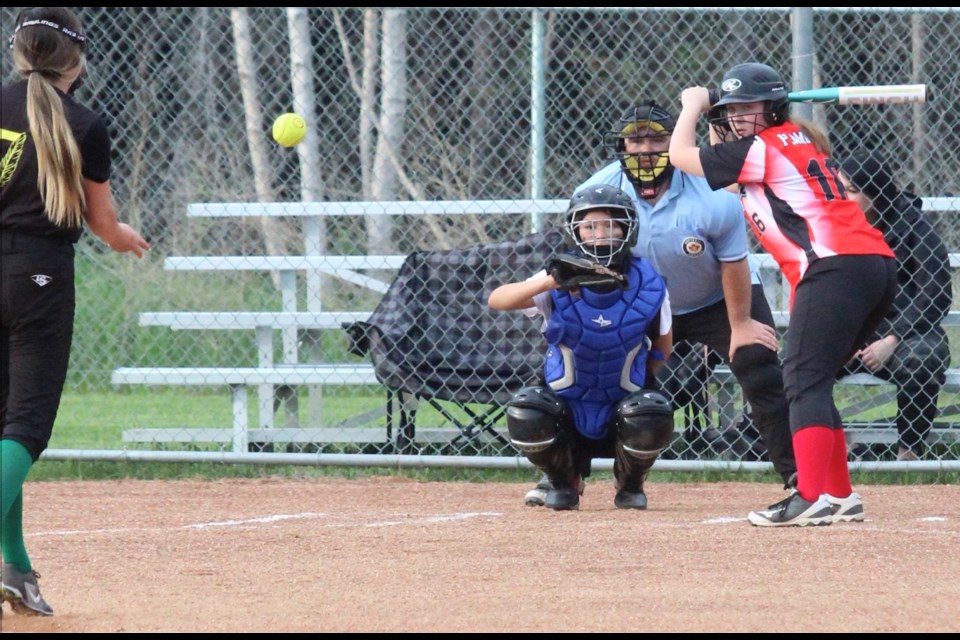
{"type": "Point", "coordinates": [918, 138]}
{"type": "Point", "coordinates": [393, 106]}
{"type": "Point", "coordinates": [371, 36]}
{"type": "Point", "coordinates": [478, 94]}
{"type": "Point", "coordinates": [275, 236]}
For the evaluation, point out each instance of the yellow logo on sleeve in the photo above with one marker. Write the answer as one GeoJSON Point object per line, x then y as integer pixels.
{"type": "Point", "coordinates": [11, 157]}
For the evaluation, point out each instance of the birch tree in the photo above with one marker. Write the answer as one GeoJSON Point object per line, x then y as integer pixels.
{"type": "Point", "coordinates": [393, 107]}
{"type": "Point", "coordinates": [371, 38]}
{"type": "Point", "coordinates": [277, 235]}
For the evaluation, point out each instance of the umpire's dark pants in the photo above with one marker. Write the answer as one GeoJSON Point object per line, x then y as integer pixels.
{"type": "Point", "coordinates": [756, 368]}
{"type": "Point", "coordinates": [36, 331]}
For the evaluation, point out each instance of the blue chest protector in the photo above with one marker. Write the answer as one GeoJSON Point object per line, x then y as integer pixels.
{"type": "Point", "coordinates": [597, 346]}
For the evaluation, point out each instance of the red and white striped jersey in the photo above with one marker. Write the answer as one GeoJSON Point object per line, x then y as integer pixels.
{"type": "Point", "coordinates": [793, 198]}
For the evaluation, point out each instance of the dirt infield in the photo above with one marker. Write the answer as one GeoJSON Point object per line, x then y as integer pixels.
{"type": "Point", "coordinates": [394, 554]}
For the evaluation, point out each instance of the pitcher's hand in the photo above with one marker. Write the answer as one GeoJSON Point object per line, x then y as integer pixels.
{"type": "Point", "coordinates": [126, 239]}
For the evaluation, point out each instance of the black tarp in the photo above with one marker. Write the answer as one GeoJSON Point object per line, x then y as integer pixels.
{"type": "Point", "coordinates": [433, 334]}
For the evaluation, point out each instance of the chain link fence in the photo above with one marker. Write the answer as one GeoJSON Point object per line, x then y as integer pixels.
{"type": "Point", "coordinates": [450, 128]}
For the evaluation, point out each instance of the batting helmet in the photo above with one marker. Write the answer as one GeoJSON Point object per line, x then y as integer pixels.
{"type": "Point", "coordinates": [751, 82]}
{"type": "Point", "coordinates": [644, 120]}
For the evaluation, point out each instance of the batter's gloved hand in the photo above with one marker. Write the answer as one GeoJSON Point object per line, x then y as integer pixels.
{"type": "Point", "coordinates": [572, 272]}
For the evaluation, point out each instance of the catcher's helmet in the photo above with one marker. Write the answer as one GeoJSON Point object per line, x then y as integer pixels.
{"type": "Point", "coordinates": [644, 120]}
{"type": "Point", "coordinates": [751, 82]}
{"type": "Point", "coordinates": [614, 253]}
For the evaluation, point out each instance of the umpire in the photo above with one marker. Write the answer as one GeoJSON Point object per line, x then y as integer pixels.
{"type": "Point", "coordinates": [697, 239]}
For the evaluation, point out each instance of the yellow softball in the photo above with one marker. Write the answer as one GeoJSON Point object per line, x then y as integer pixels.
{"type": "Point", "coordinates": [289, 129]}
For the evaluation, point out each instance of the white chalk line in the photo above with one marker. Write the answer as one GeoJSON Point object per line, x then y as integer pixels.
{"type": "Point", "coordinates": [269, 520]}
{"type": "Point", "coordinates": [264, 519]}
{"type": "Point", "coordinates": [442, 518]}
{"type": "Point", "coordinates": [428, 520]}
{"type": "Point", "coordinates": [722, 520]}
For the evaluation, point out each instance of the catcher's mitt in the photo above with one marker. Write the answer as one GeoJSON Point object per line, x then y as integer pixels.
{"type": "Point", "coordinates": [572, 272]}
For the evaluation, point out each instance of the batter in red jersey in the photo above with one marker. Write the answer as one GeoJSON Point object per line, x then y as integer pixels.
{"type": "Point", "coordinates": [842, 274]}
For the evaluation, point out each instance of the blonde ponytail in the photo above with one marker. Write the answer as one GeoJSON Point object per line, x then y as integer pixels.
{"type": "Point", "coordinates": [48, 45]}
{"type": "Point", "coordinates": [58, 157]}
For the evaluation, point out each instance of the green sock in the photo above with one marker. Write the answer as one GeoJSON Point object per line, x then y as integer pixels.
{"type": "Point", "coordinates": [15, 463]}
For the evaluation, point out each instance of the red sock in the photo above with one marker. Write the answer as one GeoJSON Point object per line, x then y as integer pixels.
{"type": "Point", "coordinates": [813, 448]}
{"type": "Point", "coordinates": [838, 473]}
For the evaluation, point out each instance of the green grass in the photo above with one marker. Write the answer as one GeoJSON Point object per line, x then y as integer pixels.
{"type": "Point", "coordinates": [97, 419]}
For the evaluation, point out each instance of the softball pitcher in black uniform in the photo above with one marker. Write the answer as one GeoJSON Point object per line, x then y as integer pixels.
{"type": "Point", "coordinates": [54, 177]}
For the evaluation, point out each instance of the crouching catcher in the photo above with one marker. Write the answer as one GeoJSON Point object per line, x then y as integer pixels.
{"type": "Point", "coordinates": [541, 426]}
{"type": "Point", "coordinates": [606, 338]}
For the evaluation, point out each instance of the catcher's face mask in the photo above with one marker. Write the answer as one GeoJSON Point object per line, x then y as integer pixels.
{"type": "Point", "coordinates": [612, 221]}
{"type": "Point", "coordinates": [601, 235]}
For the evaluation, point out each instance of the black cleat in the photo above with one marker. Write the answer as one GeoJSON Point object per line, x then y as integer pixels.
{"type": "Point", "coordinates": [22, 592]}
{"type": "Point", "coordinates": [564, 496]}
{"type": "Point", "coordinates": [630, 499]}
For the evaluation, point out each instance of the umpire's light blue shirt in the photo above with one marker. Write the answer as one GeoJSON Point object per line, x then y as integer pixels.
{"type": "Point", "coordinates": [686, 235]}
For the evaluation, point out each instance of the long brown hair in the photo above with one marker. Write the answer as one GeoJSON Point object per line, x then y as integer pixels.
{"type": "Point", "coordinates": [816, 133]}
{"type": "Point", "coordinates": [48, 43]}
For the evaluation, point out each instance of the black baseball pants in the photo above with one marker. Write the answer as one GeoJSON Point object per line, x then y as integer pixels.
{"type": "Point", "coordinates": [36, 332]}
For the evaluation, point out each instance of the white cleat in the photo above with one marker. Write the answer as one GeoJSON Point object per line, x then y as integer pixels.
{"type": "Point", "coordinates": [849, 509]}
